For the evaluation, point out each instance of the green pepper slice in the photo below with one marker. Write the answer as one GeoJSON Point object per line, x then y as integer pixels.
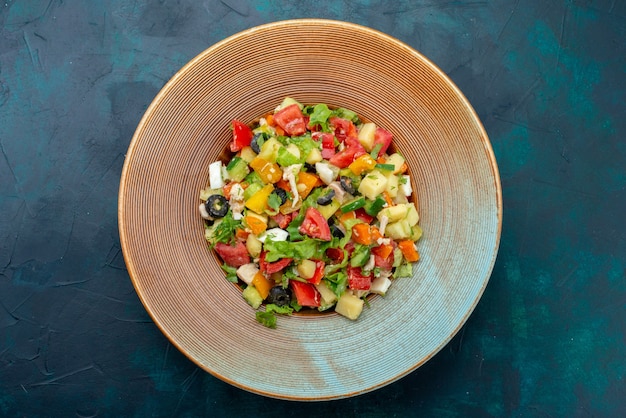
{"type": "Point", "coordinates": [372, 207]}
{"type": "Point", "coordinates": [386, 167]}
{"type": "Point", "coordinates": [360, 256]}
{"type": "Point", "coordinates": [357, 203]}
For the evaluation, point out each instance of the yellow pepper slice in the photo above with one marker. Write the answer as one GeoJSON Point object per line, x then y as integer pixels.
{"type": "Point", "coordinates": [258, 201]}
{"type": "Point", "coordinates": [262, 284]}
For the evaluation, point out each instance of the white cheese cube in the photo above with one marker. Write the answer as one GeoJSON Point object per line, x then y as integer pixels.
{"type": "Point", "coordinates": [275, 234]}
{"type": "Point", "coordinates": [216, 180]}
{"type": "Point", "coordinates": [247, 272]}
{"type": "Point", "coordinates": [380, 285]}
{"type": "Point", "coordinates": [327, 172]}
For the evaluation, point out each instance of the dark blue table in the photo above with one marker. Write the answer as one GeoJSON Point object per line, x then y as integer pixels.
{"type": "Point", "coordinates": [548, 79]}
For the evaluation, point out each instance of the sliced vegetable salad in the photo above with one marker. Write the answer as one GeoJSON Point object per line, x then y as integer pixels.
{"type": "Point", "coordinates": [313, 210]}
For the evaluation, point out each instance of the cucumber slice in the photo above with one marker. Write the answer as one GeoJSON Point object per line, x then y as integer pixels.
{"type": "Point", "coordinates": [237, 169]}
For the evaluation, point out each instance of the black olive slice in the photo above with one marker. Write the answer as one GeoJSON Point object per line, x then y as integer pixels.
{"type": "Point", "coordinates": [254, 144]}
{"type": "Point", "coordinates": [326, 198]}
{"type": "Point", "coordinates": [217, 206]}
{"type": "Point", "coordinates": [336, 231]}
{"type": "Point", "coordinates": [346, 184]}
{"type": "Point", "coordinates": [279, 296]}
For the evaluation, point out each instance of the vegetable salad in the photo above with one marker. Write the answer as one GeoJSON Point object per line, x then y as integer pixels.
{"type": "Point", "coordinates": [313, 210]}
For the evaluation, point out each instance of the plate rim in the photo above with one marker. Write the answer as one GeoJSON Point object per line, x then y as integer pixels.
{"type": "Point", "coordinates": [161, 95]}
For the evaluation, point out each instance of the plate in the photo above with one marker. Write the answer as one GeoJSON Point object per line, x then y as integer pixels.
{"type": "Point", "coordinates": [186, 127]}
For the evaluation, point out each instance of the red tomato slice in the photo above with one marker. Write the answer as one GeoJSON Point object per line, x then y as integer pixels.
{"type": "Point", "coordinates": [328, 145]}
{"type": "Point", "coordinates": [383, 263]}
{"type": "Point", "coordinates": [283, 220]}
{"type": "Point", "coordinates": [353, 142]}
{"type": "Point", "coordinates": [364, 216]}
{"type": "Point", "coordinates": [336, 255]}
{"type": "Point", "coordinates": [235, 256]}
{"type": "Point", "coordinates": [274, 267]}
{"type": "Point", "coordinates": [306, 294]}
{"type": "Point", "coordinates": [315, 225]}
{"type": "Point", "coordinates": [291, 119]}
{"type": "Point", "coordinates": [353, 150]}
{"type": "Point", "coordinates": [382, 137]}
{"type": "Point", "coordinates": [357, 280]}
{"type": "Point", "coordinates": [349, 248]}
{"type": "Point", "coordinates": [319, 272]}
{"type": "Point", "coordinates": [242, 136]}
{"type": "Point", "coordinates": [343, 128]}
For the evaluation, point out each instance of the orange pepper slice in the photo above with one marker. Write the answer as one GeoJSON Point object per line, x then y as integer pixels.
{"type": "Point", "coordinates": [306, 182]}
{"type": "Point", "coordinates": [256, 225]}
{"type": "Point", "coordinates": [241, 233]}
{"type": "Point", "coordinates": [383, 251]}
{"type": "Point", "coordinates": [375, 233]}
{"type": "Point", "coordinates": [361, 234]}
{"type": "Point", "coordinates": [408, 250]}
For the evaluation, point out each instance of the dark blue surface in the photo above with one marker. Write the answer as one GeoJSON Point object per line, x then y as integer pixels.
{"type": "Point", "coordinates": [548, 80]}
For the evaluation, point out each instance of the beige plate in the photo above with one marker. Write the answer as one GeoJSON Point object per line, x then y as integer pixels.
{"type": "Point", "coordinates": [186, 127]}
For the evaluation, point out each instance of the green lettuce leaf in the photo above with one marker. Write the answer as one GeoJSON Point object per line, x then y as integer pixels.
{"type": "Point", "coordinates": [337, 282]}
{"type": "Point", "coordinates": [274, 201]}
{"type": "Point", "coordinates": [283, 310]}
{"type": "Point", "coordinates": [320, 116]}
{"type": "Point", "coordinates": [231, 273]}
{"type": "Point", "coordinates": [305, 144]}
{"type": "Point", "coordinates": [347, 114]}
{"type": "Point", "coordinates": [300, 250]}
{"type": "Point", "coordinates": [267, 319]}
